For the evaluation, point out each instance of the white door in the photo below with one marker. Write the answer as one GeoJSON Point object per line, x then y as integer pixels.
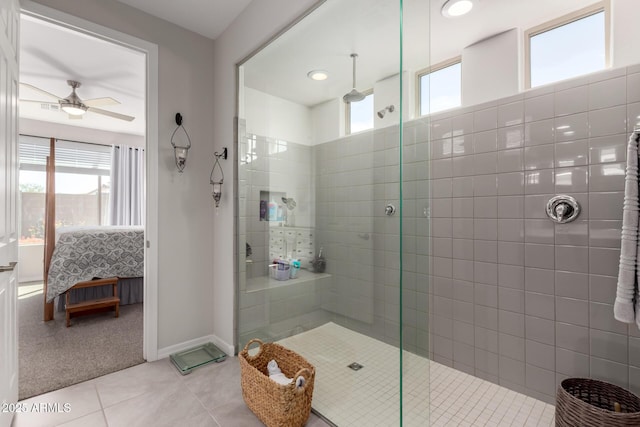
{"type": "Point", "coordinates": [9, 30]}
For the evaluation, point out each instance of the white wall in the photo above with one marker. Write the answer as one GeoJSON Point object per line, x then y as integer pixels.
{"type": "Point", "coordinates": [327, 121]}
{"type": "Point", "coordinates": [260, 21]}
{"type": "Point", "coordinates": [185, 272]}
{"type": "Point", "coordinates": [490, 68]}
{"type": "Point", "coordinates": [275, 117]}
{"type": "Point", "coordinates": [31, 263]}
{"type": "Point", "coordinates": [625, 15]}
{"type": "Point", "coordinates": [74, 133]}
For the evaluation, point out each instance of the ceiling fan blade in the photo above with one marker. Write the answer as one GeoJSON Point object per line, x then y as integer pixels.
{"type": "Point", "coordinates": [112, 114]}
{"type": "Point", "coordinates": [100, 102]}
{"type": "Point", "coordinates": [41, 91]}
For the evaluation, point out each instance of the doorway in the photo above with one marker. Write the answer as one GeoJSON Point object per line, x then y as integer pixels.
{"type": "Point", "coordinates": [94, 132]}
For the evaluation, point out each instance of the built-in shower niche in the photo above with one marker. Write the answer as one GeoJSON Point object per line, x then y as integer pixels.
{"type": "Point", "coordinates": [286, 245]}
{"type": "Point", "coordinates": [272, 207]}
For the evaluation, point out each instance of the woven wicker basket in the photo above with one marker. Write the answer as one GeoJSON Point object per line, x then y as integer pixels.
{"type": "Point", "coordinates": [274, 404]}
{"type": "Point", "coordinates": [585, 403]}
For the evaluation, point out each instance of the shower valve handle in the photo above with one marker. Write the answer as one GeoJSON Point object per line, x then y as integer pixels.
{"type": "Point", "coordinates": [389, 209]}
{"type": "Point", "coordinates": [562, 209]}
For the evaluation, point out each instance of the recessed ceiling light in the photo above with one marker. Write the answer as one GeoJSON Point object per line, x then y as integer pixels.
{"type": "Point", "coordinates": [454, 8]}
{"type": "Point", "coordinates": [318, 75]}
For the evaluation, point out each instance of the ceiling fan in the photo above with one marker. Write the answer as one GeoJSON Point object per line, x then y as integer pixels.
{"type": "Point", "coordinates": [76, 107]}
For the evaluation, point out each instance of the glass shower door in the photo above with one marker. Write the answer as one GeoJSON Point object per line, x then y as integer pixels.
{"type": "Point", "coordinates": [326, 243]}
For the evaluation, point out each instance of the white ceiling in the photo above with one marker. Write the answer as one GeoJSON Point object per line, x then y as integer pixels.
{"type": "Point", "coordinates": [326, 38]}
{"type": "Point", "coordinates": [50, 55]}
{"type": "Point", "coordinates": [206, 17]}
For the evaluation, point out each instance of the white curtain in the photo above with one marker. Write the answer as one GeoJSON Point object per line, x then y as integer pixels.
{"type": "Point", "coordinates": [126, 198]}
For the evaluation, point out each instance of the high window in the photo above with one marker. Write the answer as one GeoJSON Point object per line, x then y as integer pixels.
{"type": "Point", "coordinates": [440, 87]}
{"type": "Point", "coordinates": [567, 47]}
{"type": "Point", "coordinates": [360, 114]}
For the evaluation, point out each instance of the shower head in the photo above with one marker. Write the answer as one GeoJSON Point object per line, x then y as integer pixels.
{"type": "Point", "coordinates": [354, 95]}
{"type": "Point", "coordinates": [389, 108]}
{"type": "Point", "coordinates": [289, 202]}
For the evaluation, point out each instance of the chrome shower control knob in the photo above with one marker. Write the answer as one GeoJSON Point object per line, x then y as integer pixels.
{"type": "Point", "coordinates": [562, 209]}
{"type": "Point", "coordinates": [389, 209]}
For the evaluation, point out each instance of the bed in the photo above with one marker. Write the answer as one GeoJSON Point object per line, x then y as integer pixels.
{"type": "Point", "coordinates": [84, 253]}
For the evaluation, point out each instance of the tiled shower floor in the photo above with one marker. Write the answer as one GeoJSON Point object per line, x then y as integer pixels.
{"type": "Point", "coordinates": [369, 397]}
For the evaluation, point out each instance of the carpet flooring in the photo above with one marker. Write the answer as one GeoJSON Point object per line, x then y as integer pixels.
{"type": "Point", "coordinates": [52, 356]}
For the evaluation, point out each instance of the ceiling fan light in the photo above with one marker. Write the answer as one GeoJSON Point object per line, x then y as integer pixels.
{"type": "Point", "coordinates": [455, 8]}
{"type": "Point", "coordinates": [74, 110]}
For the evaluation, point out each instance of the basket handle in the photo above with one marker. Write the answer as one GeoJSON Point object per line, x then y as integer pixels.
{"type": "Point", "coordinates": [246, 348]}
{"type": "Point", "coordinates": [304, 373]}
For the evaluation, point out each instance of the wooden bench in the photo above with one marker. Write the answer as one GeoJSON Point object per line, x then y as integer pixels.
{"type": "Point", "coordinates": [91, 306]}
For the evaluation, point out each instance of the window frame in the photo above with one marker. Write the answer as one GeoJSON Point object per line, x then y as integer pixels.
{"type": "Point", "coordinates": [436, 67]}
{"type": "Point", "coordinates": [347, 112]}
{"type": "Point", "coordinates": [81, 146]}
{"type": "Point", "coordinates": [602, 6]}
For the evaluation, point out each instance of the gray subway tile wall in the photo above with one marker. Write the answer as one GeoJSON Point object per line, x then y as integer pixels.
{"type": "Point", "coordinates": [263, 312]}
{"type": "Point", "coordinates": [490, 285]}
{"type": "Point", "coordinates": [541, 293]}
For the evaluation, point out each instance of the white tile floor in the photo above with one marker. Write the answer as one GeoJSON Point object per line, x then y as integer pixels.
{"type": "Point", "coordinates": [155, 394]}
{"type": "Point", "coordinates": [369, 397]}
{"type": "Point", "coordinates": [151, 394]}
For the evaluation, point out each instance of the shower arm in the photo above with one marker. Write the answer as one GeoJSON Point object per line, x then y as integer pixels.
{"type": "Point", "coordinates": [353, 57]}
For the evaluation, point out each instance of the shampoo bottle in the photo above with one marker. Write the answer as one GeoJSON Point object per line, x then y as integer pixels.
{"type": "Point", "coordinates": [272, 210]}
{"type": "Point", "coordinates": [263, 210]}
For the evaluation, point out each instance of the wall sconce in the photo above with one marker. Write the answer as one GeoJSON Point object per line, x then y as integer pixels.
{"type": "Point", "coordinates": [180, 151]}
{"type": "Point", "coordinates": [216, 186]}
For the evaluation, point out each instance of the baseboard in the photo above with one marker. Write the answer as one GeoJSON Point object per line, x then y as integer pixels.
{"type": "Point", "coordinates": [222, 345]}
{"type": "Point", "coordinates": [28, 279]}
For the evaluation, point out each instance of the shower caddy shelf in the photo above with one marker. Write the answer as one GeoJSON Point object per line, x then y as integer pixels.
{"type": "Point", "coordinates": [262, 283]}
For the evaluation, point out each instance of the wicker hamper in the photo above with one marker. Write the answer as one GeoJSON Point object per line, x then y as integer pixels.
{"type": "Point", "coordinates": [585, 402]}
{"type": "Point", "coordinates": [274, 404]}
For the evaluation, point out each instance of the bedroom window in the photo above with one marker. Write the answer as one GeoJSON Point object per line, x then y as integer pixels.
{"type": "Point", "coordinates": [360, 114]}
{"type": "Point", "coordinates": [440, 87]}
{"type": "Point", "coordinates": [82, 184]}
{"type": "Point", "coordinates": [569, 46]}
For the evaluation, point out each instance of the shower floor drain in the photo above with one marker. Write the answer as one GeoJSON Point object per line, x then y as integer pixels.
{"type": "Point", "coordinates": [355, 366]}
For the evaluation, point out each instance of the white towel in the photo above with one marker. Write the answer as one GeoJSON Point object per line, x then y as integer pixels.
{"type": "Point", "coordinates": [280, 379]}
{"type": "Point", "coordinates": [276, 374]}
{"type": "Point", "coordinates": [628, 272]}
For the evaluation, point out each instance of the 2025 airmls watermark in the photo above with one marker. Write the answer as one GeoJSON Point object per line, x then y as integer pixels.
{"type": "Point", "coordinates": [43, 407]}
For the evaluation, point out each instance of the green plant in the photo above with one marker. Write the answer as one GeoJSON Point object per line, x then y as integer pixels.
{"type": "Point", "coordinates": [30, 187]}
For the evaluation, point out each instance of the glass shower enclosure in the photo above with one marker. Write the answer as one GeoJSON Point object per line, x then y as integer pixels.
{"type": "Point", "coordinates": [399, 242]}
{"type": "Point", "coordinates": [333, 215]}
